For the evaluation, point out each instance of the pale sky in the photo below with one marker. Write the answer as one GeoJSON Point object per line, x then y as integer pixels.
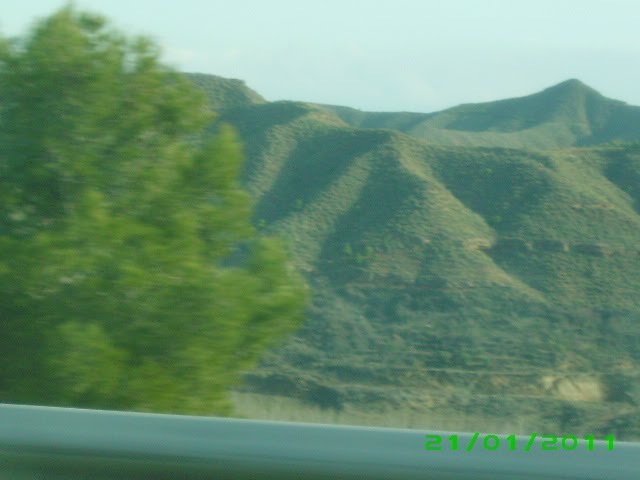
{"type": "Point", "coordinates": [380, 55]}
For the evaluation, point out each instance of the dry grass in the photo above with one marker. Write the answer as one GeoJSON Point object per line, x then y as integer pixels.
{"type": "Point", "coordinates": [271, 407]}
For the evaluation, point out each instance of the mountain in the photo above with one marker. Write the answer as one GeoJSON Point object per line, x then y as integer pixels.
{"type": "Point", "coordinates": [565, 115]}
{"type": "Point", "coordinates": [489, 282]}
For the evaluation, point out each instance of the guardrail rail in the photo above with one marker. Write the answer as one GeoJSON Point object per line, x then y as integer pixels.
{"type": "Point", "coordinates": [48, 443]}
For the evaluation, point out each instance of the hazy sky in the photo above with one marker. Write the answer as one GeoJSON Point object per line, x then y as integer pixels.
{"type": "Point", "coordinates": [415, 55]}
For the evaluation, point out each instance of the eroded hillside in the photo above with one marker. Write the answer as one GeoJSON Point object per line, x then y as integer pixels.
{"type": "Point", "coordinates": [498, 281]}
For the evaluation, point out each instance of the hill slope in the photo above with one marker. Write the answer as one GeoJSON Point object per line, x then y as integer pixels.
{"type": "Point", "coordinates": [475, 280]}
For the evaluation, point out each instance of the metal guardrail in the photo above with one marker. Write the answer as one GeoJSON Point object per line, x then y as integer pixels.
{"type": "Point", "coordinates": [46, 443]}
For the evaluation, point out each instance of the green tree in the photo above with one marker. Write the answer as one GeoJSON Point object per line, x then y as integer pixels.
{"type": "Point", "coordinates": [130, 274]}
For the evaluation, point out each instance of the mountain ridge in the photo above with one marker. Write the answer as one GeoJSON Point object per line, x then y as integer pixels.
{"type": "Point", "coordinates": [564, 115]}
{"type": "Point", "coordinates": [430, 262]}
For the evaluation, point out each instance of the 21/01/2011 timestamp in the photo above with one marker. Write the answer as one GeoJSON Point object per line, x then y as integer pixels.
{"type": "Point", "coordinates": [493, 442]}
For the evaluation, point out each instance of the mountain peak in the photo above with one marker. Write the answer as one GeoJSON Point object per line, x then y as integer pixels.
{"type": "Point", "coordinates": [572, 86]}
{"type": "Point", "coordinates": [225, 92]}
{"type": "Point", "coordinates": [573, 83]}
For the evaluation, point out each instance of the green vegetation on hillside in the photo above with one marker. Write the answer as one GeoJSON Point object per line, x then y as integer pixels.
{"type": "Point", "coordinates": [449, 275]}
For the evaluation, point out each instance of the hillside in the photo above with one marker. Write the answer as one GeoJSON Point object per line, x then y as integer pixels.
{"type": "Point", "coordinates": [451, 279]}
{"type": "Point", "coordinates": [566, 115]}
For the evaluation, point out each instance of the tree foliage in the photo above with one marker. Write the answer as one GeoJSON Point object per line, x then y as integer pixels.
{"type": "Point", "coordinates": [117, 222]}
